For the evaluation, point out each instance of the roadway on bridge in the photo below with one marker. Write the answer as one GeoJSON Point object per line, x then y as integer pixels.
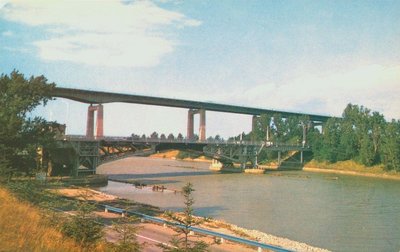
{"type": "Point", "coordinates": [97, 97]}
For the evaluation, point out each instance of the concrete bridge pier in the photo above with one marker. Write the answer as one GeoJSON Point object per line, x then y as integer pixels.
{"type": "Point", "coordinates": [190, 124]}
{"type": "Point", "coordinates": [202, 129]}
{"type": "Point", "coordinates": [99, 121]}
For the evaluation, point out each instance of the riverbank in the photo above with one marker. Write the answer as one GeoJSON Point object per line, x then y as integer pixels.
{"type": "Point", "coordinates": [214, 225]}
{"type": "Point", "coordinates": [350, 168]}
{"type": "Point", "coordinates": [342, 167]}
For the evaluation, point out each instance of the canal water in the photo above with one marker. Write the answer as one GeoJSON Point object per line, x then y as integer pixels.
{"type": "Point", "coordinates": [337, 212]}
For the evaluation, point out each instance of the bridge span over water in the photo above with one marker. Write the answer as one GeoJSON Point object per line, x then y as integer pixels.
{"type": "Point", "coordinates": [96, 99]}
{"type": "Point", "coordinates": [79, 154]}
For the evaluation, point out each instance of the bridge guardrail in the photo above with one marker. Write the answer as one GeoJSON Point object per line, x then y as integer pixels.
{"type": "Point", "coordinates": [200, 230]}
{"type": "Point", "coordinates": [185, 141]}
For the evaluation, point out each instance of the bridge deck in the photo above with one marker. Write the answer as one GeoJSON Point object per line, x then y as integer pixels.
{"type": "Point", "coordinates": [96, 97]}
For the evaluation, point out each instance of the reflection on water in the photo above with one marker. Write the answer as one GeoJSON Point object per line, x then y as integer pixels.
{"type": "Point", "coordinates": [341, 213]}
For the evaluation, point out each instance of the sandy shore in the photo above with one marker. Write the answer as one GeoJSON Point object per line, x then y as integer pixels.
{"type": "Point", "coordinates": [354, 173]}
{"type": "Point", "coordinates": [215, 225]}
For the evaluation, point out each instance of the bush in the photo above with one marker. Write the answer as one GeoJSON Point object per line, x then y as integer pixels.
{"type": "Point", "coordinates": [83, 227]}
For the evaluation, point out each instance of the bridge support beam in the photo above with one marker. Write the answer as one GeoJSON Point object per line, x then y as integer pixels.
{"type": "Point", "coordinates": [99, 121]}
{"type": "Point", "coordinates": [190, 124]}
{"type": "Point", "coordinates": [90, 122]}
{"type": "Point", "coordinates": [202, 129]}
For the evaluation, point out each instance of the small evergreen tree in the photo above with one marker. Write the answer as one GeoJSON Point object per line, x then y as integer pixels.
{"type": "Point", "coordinates": [127, 232]}
{"type": "Point", "coordinates": [83, 227]}
{"type": "Point", "coordinates": [181, 242]}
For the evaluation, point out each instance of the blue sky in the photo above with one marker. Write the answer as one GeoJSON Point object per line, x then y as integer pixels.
{"type": "Point", "coordinates": [311, 56]}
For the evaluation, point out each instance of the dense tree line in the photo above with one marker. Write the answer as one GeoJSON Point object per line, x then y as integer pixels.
{"type": "Point", "coordinates": [21, 135]}
{"type": "Point", "coordinates": [360, 135]}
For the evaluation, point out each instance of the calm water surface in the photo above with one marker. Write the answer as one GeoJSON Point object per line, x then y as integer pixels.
{"type": "Point", "coordinates": [337, 212]}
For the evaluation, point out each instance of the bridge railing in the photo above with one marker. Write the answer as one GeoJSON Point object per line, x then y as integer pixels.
{"type": "Point", "coordinates": [149, 140]}
{"type": "Point", "coordinates": [199, 230]}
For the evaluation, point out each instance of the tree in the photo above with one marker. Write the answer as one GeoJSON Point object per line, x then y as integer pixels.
{"type": "Point", "coordinates": [128, 235]}
{"type": "Point", "coordinates": [162, 137]}
{"type": "Point", "coordinates": [181, 242]}
{"type": "Point", "coordinates": [20, 135]}
{"type": "Point", "coordinates": [279, 128]}
{"type": "Point", "coordinates": [154, 135]}
{"type": "Point", "coordinates": [326, 146]}
{"type": "Point", "coordinates": [263, 125]}
{"type": "Point", "coordinates": [179, 137]}
{"type": "Point", "coordinates": [391, 146]}
{"type": "Point", "coordinates": [171, 137]}
{"type": "Point", "coordinates": [84, 227]}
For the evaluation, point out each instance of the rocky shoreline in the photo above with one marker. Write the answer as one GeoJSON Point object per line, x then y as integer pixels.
{"type": "Point", "coordinates": [215, 225]}
{"type": "Point", "coordinates": [278, 241]}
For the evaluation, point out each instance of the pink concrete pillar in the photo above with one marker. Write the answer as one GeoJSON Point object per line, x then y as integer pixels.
{"type": "Point", "coordinates": [90, 122]}
{"type": "Point", "coordinates": [190, 128]}
{"type": "Point", "coordinates": [202, 130]}
{"type": "Point", "coordinates": [99, 121]}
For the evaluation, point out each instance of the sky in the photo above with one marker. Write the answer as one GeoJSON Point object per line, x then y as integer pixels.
{"type": "Point", "coordinates": [302, 56]}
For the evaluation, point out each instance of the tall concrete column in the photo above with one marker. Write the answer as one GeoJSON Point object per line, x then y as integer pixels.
{"type": "Point", "coordinates": [90, 122]}
{"type": "Point", "coordinates": [190, 128]}
{"type": "Point", "coordinates": [202, 130]}
{"type": "Point", "coordinates": [99, 121]}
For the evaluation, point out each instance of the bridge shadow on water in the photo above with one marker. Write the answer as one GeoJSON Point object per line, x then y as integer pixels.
{"type": "Point", "coordinates": [157, 175]}
{"type": "Point", "coordinates": [142, 181]}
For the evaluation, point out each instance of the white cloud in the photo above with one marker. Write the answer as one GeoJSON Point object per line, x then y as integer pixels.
{"type": "Point", "coordinates": [102, 33]}
{"type": "Point", "coordinates": [374, 86]}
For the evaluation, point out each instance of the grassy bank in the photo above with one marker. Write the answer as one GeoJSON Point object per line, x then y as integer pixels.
{"type": "Point", "coordinates": [24, 227]}
{"type": "Point", "coordinates": [352, 168]}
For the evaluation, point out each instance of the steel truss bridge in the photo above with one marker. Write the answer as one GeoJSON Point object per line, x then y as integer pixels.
{"type": "Point", "coordinates": [86, 154]}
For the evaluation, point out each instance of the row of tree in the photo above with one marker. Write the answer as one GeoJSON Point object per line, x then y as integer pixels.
{"type": "Point", "coordinates": [171, 137]}
{"type": "Point", "coordinates": [360, 135]}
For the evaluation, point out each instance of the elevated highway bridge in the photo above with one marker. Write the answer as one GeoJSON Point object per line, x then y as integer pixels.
{"type": "Point", "coordinates": [96, 99]}
{"type": "Point", "coordinates": [92, 149]}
